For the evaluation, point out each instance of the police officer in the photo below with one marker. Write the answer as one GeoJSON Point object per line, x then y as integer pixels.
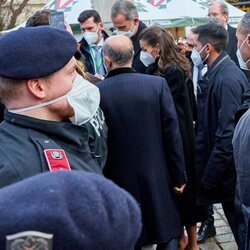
{"type": "Point", "coordinates": [47, 106]}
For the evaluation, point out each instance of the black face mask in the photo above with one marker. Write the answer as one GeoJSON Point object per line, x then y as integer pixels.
{"type": "Point", "coordinates": [188, 54]}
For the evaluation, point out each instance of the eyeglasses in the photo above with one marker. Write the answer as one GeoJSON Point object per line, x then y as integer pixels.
{"type": "Point", "coordinates": [211, 15]}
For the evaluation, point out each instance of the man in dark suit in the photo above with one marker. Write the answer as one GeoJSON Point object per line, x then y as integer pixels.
{"type": "Point", "coordinates": [145, 150]}
{"type": "Point", "coordinates": [124, 16]}
{"type": "Point", "coordinates": [219, 10]}
{"type": "Point", "coordinates": [92, 41]}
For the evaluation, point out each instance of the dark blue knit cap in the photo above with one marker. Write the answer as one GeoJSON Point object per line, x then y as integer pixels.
{"type": "Point", "coordinates": [35, 52]}
{"type": "Point", "coordinates": [82, 210]}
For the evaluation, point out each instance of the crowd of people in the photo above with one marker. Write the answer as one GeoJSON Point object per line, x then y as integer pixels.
{"type": "Point", "coordinates": [167, 125]}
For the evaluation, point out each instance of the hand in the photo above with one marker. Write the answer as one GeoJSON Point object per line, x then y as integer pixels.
{"type": "Point", "coordinates": [179, 190]}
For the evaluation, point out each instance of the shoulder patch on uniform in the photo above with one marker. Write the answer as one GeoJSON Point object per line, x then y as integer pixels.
{"type": "Point", "coordinates": [56, 159]}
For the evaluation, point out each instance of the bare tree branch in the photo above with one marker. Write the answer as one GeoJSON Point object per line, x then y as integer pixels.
{"type": "Point", "coordinates": [16, 12]}
{"type": "Point", "coordinates": [10, 10]}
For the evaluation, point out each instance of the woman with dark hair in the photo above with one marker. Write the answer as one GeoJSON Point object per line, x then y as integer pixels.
{"type": "Point", "coordinates": [162, 57]}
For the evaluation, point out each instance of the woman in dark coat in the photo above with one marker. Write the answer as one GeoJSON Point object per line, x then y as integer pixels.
{"type": "Point", "coordinates": [163, 58]}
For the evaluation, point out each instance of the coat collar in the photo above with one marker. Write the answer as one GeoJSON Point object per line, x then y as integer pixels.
{"type": "Point", "coordinates": [222, 58]}
{"type": "Point", "coordinates": [63, 131]}
{"type": "Point", "coordinates": [141, 27]}
{"type": "Point", "coordinates": [119, 71]}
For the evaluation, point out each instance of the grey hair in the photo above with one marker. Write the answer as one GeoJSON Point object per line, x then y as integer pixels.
{"type": "Point", "coordinates": [125, 8]}
{"type": "Point", "coordinates": [223, 6]}
{"type": "Point", "coordinates": [244, 26]}
{"type": "Point", "coordinates": [119, 55]}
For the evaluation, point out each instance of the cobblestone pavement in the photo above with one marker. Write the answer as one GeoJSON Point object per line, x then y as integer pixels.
{"type": "Point", "coordinates": [224, 238]}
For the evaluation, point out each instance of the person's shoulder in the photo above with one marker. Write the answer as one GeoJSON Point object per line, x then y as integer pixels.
{"type": "Point", "coordinates": [245, 118]}
{"type": "Point", "coordinates": [239, 77]}
{"type": "Point", "coordinates": [231, 72]}
{"type": "Point", "coordinates": [150, 78]}
{"type": "Point", "coordinates": [231, 29]}
{"type": "Point", "coordinates": [242, 126]}
{"type": "Point", "coordinates": [141, 27]}
{"type": "Point", "coordinates": [105, 34]}
{"type": "Point", "coordinates": [83, 44]}
{"type": "Point", "coordinates": [173, 69]}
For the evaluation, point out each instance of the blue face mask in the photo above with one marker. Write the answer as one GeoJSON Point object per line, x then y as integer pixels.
{"type": "Point", "coordinates": [196, 57]}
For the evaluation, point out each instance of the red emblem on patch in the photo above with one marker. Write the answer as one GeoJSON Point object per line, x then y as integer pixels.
{"type": "Point", "coordinates": [56, 159]}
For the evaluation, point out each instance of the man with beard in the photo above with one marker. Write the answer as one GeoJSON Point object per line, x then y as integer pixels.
{"type": "Point", "coordinates": [46, 106]}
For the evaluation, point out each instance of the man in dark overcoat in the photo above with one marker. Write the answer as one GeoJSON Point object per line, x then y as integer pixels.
{"type": "Point", "coordinates": [220, 94]}
{"type": "Point", "coordinates": [145, 149]}
{"type": "Point", "coordinates": [219, 10]}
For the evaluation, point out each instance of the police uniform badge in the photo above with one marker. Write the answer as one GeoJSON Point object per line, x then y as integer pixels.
{"type": "Point", "coordinates": [56, 159]}
{"type": "Point", "coordinates": [29, 240]}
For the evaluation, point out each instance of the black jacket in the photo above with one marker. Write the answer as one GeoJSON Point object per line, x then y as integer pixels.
{"type": "Point", "coordinates": [137, 64]}
{"type": "Point", "coordinates": [231, 47]}
{"type": "Point", "coordinates": [86, 56]}
{"type": "Point", "coordinates": [23, 141]}
{"type": "Point", "coordinates": [220, 95]}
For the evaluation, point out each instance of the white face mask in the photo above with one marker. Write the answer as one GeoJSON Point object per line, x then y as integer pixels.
{"type": "Point", "coordinates": [196, 57]}
{"type": "Point", "coordinates": [146, 58]}
{"type": "Point", "coordinates": [128, 33]}
{"type": "Point", "coordinates": [242, 63]}
{"type": "Point", "coordinates": [84, 98]}
{"type": "Point", "coordinates": [90, 37]}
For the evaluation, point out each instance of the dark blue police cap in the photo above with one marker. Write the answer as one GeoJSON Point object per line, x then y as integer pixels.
{"type": "Point", "coordinates": [82, 210]}
{"type": "Point", "coordinates": [35, 52]}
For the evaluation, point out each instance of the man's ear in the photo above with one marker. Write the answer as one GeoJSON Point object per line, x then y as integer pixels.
{"type": "Point", "coordinates": [209, 48]}
{"type": "Point", "coordinates": [107, 62]}
{"type": "Point", "coordinates": [36, 88]}
{"type": "Point", "coordinates": [101, 25]}
{"type": "Point", "coordinates": [136, 20]}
